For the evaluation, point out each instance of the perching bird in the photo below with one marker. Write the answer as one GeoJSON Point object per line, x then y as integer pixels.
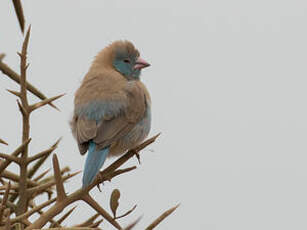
{"type": "Point", "coordinates": [112, 107]}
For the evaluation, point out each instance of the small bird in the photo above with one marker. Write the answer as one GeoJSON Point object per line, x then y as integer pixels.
{"type": "Point", "coordinates": [112, 107]}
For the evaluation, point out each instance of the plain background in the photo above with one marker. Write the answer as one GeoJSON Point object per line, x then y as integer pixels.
{"type": "Point", "coordinates": [228, 85]}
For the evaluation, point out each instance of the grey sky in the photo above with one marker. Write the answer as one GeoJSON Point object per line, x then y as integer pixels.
{"type": "Point", "coordinates": [228, 85]}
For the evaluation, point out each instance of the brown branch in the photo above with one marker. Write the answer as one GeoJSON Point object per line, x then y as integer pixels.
{"type": "Point", "coordinates": [36, 179]}
{"type": "Point", "coordinates": [90, 201]}
{"type": "Point", "coordinates": [82, 194]}
{"type": "Point", "coordinates": [119, 162]}
{"type": "Point", "coordinates": [40, 212]}
{"type": "Point", "coordinates": [14, 177]}
{"type": "Point", "coordinates": [95, 225]}
{"type": "Point", "coordinates": [5, 69]}
{"type": "Point", "coordinates": [33, 210]}
{"type": "Point", "coordinates": [13, 187]}
{"type": "Point", "coordinates": [161, 218]}
{"type": "Point", "coordinates": [4, 164]}
{"type": "Point", "coordinates": [5, 197]}
{"type": "Point", "coordinates": [10, 158]}
{"type": "Point", "coordinates": [59, 221]}
{"type": "Point", "coordinates": [19, 13]}
{"type": "Point", "coordinates": [51, 178]}
{"type": "Point", "coordinates": [23, 200]}
{"type": "Point", "coordinates": [10, 205]}
{"type": "Point", "coordinates": [38, 164]}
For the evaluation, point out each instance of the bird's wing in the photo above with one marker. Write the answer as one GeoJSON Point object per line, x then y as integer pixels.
{"type": "Point", "coordinates": [116, 121]}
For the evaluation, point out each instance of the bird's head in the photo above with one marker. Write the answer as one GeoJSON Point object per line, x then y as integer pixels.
{"type": "Point", "coordinates": [127, 60]}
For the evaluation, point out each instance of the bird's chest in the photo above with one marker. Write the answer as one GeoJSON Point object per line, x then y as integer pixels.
{"type": "Point", "coordinates": [135, 136]}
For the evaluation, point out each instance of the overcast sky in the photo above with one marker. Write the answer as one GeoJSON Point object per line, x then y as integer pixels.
{"type": "Point", "coordinates": [228, 86]}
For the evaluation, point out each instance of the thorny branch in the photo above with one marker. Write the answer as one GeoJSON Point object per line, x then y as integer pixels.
{"type": "Point", "coordinates": [23, 201]}
{"type": "Point", "coordinates": [27, 189]}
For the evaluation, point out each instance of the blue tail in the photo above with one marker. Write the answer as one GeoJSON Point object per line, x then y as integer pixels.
{"type": "Point", "coordinates": [93, 163]}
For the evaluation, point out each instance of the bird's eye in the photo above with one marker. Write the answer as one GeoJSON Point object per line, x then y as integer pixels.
{"type": "Point", "coordinates": [127, 60]}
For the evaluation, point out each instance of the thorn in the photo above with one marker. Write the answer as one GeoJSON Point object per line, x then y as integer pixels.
{"type": "Point", "coordinates": [20, 15]}
{"type": "Point", "coordinates": [2, 56]}
{"type": "Point", "coordinates": [14, 92]}
{"type": "Point", "coordinates": [162, 217]}
{"type": "Point", "coordinates": [3, 142]}
{"type": "Point", "coordinates": [130, 226]}
{"type": "Point", "coordinates": [44, 102]}
{"type": "Point", "coordinates": [21, 108]}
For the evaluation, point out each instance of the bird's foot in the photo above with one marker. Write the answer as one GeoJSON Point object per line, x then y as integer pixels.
{"type": "Point", "coordinates": [100, 177]}
{"type": "Point", "coordinates": [98, 186]}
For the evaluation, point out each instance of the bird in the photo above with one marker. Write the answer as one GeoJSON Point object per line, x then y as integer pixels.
{"type": "Point", "coordinates": [112, 107]}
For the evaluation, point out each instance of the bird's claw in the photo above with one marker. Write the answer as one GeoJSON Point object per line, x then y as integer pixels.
{"type": "Point", "coordinates": [98, 186]}
{"type": "Point", "coordinates": [99, 178]}
{"type": "Point", "coordinates": [137, 156]}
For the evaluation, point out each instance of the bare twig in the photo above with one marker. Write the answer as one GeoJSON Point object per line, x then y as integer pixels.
{"type": "Point", "coordinates": [4, 164]}
{"type": "Point", "coordinates": [23, 200]}
{"type": "Point", "coordinates": [161, 218]}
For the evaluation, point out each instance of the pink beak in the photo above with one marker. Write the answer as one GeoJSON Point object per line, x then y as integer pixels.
{"type": "Point", "coordinates": [141, 63]}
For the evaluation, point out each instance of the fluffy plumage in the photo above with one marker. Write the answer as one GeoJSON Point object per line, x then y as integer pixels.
{"type": "Point", "coordinates": [112, 107]}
